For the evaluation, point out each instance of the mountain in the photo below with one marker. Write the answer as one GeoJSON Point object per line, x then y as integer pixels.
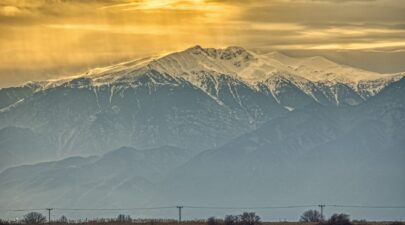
{"type": "Point", "coordinates": [245, 129]}
{"type": "Point", "coordinates": [9, 97]}
{"type": "Point", "coordinates": [316, 154]}
{"type": "Point", "coordinates": [22, 146]}
{"type": "Point", "coordinates": [195, 99]}
{"type": "Point", "coordinates": [122, 175]}
{"type": "Point", "coordinates": [158, 110]}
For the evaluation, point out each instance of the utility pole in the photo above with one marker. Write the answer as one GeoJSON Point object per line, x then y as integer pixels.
{"type": "Point", "coordinates": [321, 206]}
{"type": "Point", "coordinates": [49, 214]}
{"type": "Point", "coordinates": [179, 207]}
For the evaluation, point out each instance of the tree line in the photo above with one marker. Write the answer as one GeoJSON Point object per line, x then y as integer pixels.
{"type": "Point", "coordinates": [246, 218]}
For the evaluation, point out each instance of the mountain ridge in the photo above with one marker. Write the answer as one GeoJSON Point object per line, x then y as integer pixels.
{"type": "Point", "coordinates": [177, 99]}
{"type": "Point", "coordinates": [313, 154]}
{"type": "Point", "coordinates": [232, 143]}
{"type": "Point", "coordinates": [253, 69]}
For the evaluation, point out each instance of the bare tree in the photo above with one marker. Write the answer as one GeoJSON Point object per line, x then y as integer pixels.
{"type": "Point", "coordinates": [34, 218]}
{"type": "Point", "coordinates": [63, 219]}
{"type": "Point", "coordinates": [311, 216]}
{"type": "Point", "coordinates": [124, 218]}
{"type": "Point", "coordinates": [249, 218]}
{"type": "Point", "coordinates": [231, 220]}
{"type": "Point", "coordinates": [4, 222]}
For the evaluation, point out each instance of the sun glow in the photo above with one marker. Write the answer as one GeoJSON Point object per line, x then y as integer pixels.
{"type": "Point", "coordinates": [46, 36]}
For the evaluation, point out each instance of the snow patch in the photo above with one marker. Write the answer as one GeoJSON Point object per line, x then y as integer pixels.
{"type": "Point", "coordinates": [238, 63]}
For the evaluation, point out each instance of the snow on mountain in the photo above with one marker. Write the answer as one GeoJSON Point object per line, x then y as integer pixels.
{"type": "Point", "coordinates": [292, 82]}
{"type": "Point", "coordinates": [253, 68]}
{"type": "Point", "coordinates": [248, 67]}
{"type": "Point", "coordinates": [195, 99]}
{"type": "Point", "coordinates": [270, 115]}
{"type": "Point", "coordinates": [307, 154]}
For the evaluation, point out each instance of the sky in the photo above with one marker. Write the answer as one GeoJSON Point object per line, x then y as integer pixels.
{"type": "Point", "coordinates": [44, 39]}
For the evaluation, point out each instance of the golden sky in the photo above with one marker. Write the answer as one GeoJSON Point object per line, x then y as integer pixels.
{"type": "Point", "coordinates": [41, 39]}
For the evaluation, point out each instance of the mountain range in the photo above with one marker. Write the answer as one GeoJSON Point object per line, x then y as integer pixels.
{"type": "Point", "coordinates": [205, 126]}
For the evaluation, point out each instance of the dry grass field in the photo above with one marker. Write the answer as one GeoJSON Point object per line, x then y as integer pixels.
{"type": "Point", "coordinates": [202, 222]}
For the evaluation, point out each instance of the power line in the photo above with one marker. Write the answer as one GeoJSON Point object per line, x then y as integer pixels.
{"type": "Point", "coordinates": [87, 209]}
{"type": "Point", "coordinates": [249, 207]}
{"type": "Point", "coordinates": [207, 207]}
{"type": "Point", "coordinates": [22, 210]}
{"type": "Point", "coordinates": [367, 206]}
{"type": "Point", "coordinates": [114, 209]}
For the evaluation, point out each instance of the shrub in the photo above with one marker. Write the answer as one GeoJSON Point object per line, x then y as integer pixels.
{"type": "Point", "coordinates": [311, 216]}
{"type": "Point", "coordinates": [339, 219]}
{"type": "Point", "coordinates": [213, 221]}
{"type": "Point", "coordinates": [397, 223]}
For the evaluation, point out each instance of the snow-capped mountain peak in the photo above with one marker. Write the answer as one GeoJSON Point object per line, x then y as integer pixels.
{"type": "Point", "coordinates": [230, 61]}
{"type": "Point", "coordinates": [196, 63]}
{"type": "Point", "coordinates": [252, 67]}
